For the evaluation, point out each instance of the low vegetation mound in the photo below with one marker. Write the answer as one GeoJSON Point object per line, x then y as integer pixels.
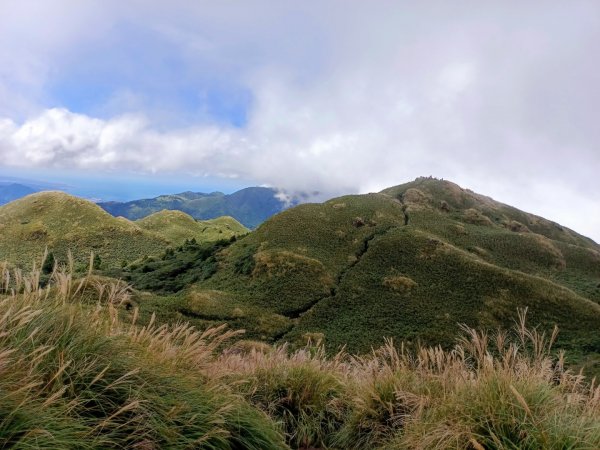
{"type": "Point", "coordinates": [177, 226]}
{"type": "Point", "coordinates": [175, 269]}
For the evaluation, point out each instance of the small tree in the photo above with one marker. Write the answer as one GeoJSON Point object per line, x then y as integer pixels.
{"type": "Point", "coordinates": [97, 261]}
{"type": "Point", "coordinates": [169, 253]}
{"type": "Point", "coordinates": [49, 263]}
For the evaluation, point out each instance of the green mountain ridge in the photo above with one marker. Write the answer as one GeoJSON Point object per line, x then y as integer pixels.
{"type": "Point", "coordinates": [62, 223]}
{"type": "Point", "coordinates": [249, 206]}
{"type": "Point", "coordinates": [408, 263]}
{"type": "Point", "coordinates": [177, 226]}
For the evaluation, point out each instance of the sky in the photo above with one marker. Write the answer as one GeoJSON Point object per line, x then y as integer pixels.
{"type": "Point", "coordinates": [339, 97]}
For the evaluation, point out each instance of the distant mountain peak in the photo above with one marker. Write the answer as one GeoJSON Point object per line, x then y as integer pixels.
{"type": "Point", "coordinates": [10, 191]}
{"type": "Point", "coordinates": [250, 206]}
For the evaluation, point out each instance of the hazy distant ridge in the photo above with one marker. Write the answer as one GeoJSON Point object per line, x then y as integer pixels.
{"type": "Point", "coordinates": [13, 191]}
{"type": "Point", "coordinates": [250, 206]}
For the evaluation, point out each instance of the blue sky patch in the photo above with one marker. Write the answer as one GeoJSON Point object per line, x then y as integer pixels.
{"type": "Point", "coordinates": [137, 70]}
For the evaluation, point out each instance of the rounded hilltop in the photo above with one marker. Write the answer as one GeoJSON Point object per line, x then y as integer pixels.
{"type": "Point", "coordinates": [62, 222]}
{"type": "Point", "coordinates": [177, 226]}
{"type": "Point", "coordinates": [465, 205]}
{"type": "Point", "coordinates": [60, 212]}
{"type": "Point", "coordinates": [355, 269]}
{"type": "Point", "coordinates": [43, 202]}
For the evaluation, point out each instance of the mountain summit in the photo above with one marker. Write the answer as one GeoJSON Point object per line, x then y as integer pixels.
{"type": "Point", "coordinates": [410, 263]}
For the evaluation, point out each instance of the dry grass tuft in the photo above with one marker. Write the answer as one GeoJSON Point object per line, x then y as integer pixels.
{"type": "Point", "coordinates": [399, 283]}
{"type": "Point", "coordinates": [74, 374]}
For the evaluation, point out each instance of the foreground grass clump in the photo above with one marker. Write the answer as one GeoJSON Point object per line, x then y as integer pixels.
{"type": "Point", "coordinates": [490, 392]}
{"type": "Point", "coordinates": [305, 392]}
{"type": "Point", "coordinates": [73, 376]}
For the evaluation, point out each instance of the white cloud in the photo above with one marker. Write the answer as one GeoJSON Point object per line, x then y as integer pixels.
{"type": "Point", "coordinates": [62, 139]}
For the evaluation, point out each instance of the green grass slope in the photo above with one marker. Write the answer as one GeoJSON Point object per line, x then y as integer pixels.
{"type": "Point", "coordinates": [502, 235]}
{"type": "Point", "coordinates": [72, 376]}
{"type": "Point", "coordinates": [177, 226]}
{"type": "Point", "coordinates": [409, 263]}
{"type": "Point", "coordinates": [61, 223]}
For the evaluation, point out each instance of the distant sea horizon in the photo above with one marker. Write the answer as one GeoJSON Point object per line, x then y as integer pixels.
{"type": "Point", "coordinates": [120, 187]}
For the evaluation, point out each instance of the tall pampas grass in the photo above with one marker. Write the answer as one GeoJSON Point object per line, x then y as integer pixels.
{"type": "Point", "coordinates": [74, 373]}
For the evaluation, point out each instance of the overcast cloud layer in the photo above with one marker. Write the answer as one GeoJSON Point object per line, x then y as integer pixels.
{"type": "Point", "coordinates": [339, 97]}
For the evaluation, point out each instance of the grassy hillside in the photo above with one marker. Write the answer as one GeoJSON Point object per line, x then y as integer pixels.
{"type": "Point", "coordinates": [73, 376]}
{"type": "Point", "coordinates": [177, 226]}
{"type": "Point", "coordinates": [77, 371]}
{"type": "Point", "coordinates": [61, 223]}
{"type": "Point", "coordinates": [250, 206]}
{"type": "Point", "coordinates": [502, 235]}
{"type": "Point", "coordinates": [408, 263]}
